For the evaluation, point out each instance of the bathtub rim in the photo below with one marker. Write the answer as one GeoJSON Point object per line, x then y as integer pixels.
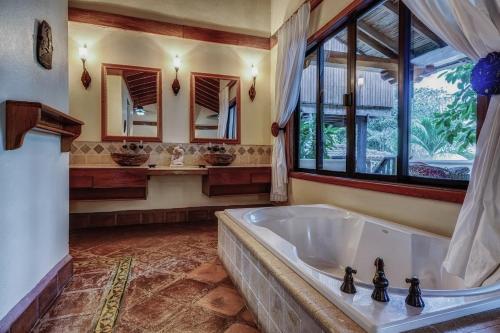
{"type": "Point", "coordinates": [394, 326]}
{"type": "Point", "coordinates": [475, 291]}
{"type": "Point", "coordinates": [312, 300]}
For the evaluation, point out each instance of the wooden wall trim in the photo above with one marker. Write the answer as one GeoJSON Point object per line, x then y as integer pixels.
{"type": "Point", "coordinates": [205, 214]}
{"type": "Point", "coordinates": [423, 192]}
{"type": "Point", "coordinates": [166, 29]}
{"type": "Point", "coordinates": [24, 315]}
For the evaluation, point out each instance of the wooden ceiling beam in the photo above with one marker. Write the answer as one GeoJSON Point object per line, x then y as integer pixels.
{"type": "Point", "coordinates": [208, 106]}
{"type": "Point", "coordinates": [167, 29]}
{"type": "Point", "coordinates": [136, 77]}
{"type": "Point", "coordinates": [208, 101]}
{"type": "Point", "coordinates": [211, 82]}
{"type": "Point", "coordinates": [417, 25]}
{"type": "Point", "coordinates": [143, 89]}
{"type": "Point", "coordinates": [211, 107]}
{"type": "Point", "coordinates": [137, 83]}
{"type": "Point", "coordinates": [376, 45]}
{"type": "Point", "coordinates": [208, 91]}
{"type": "Point", "coordinates": [378, 36]}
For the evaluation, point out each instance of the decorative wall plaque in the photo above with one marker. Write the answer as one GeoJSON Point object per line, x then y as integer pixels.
{"type": "Point", "coordinates": [44, 46]}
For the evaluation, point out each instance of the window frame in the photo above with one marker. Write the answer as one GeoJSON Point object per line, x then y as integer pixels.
{"type": "Point", "coordinates": [315, 44]}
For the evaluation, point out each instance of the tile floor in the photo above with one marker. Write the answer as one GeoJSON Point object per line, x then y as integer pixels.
{"type": "Point", "coordinates": [176, 283]}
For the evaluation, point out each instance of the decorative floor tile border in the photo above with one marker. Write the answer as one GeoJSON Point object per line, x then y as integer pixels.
{"type": "Point", "coordinates": [111, 307]}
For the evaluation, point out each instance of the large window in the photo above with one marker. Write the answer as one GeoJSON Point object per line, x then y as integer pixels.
{"type": "Point", "coordinates": [383, 97]}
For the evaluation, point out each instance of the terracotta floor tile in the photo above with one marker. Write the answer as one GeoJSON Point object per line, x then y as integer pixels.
{"type": "Point", "coordinates": [105, 249]}
{"type": "Point", "coordinates": [76, 324]}
{"type": "Point", "coordinates": [247, 316]}
{"type": "Point", "coordinates": [93, 265]}
{"type": "Point", "coordinates": [153, 313]}
{"type": "Point", "coordinates": [223, 300]}
{"type": "Point", "coordinates": [150, 281]}
{"type": "Point", "coordinates": [86, 281]}
{"type": "Point", "coordinates": [173, 268]}
{"type": "Point", "coordinates": [185, 291]}
{"type": "Point", "coordinates": [76, 303]}
{"type": "Point", "coordinates": [175, 265]}
{"type": "Point", "coordinates": [208, 273]}
{"type": "Point", "coordinates": [240, 328]}
{"type": "Point", "coordinates": [197, 320]}
{"type": "Point", "coordinates": [202, 255]}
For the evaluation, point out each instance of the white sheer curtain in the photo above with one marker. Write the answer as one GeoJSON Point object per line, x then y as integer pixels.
{"type": "Point", "coordinates": [223, 112]}
{"type": "Point", "coordinates": [473, 27]}
{"type": "Point", "coordinates": [291, 52]}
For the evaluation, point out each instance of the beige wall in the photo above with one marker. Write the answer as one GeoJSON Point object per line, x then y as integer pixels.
{"type": "Point", "coordinates": [430, 215]}
{"type": "Point", "coordinates": [281, 10]}
{"type": "Point", "coordinates": [33, 178]}
{"type": "Point", "coordinates": [166, 192]}
{"type": "Point", "coordinates": [243, 16]}
{"type": "Point", "coordinates": [109, 45]}
{"type": "Point", "coordinates": [433, 216]}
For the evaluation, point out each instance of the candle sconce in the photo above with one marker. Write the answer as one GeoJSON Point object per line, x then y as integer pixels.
{"type": "Point", "coordinates": [86, 79]}
{"type": "Point", "coordinates": [252, 92]}
{"type": "Point", "coordinates": [176, 86]}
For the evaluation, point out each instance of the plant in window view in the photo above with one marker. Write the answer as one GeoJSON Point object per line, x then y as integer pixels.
{"type": "Point", "coordinates": [458, 122]}
{"type": "Point", "coordinates": [307, 137]}
{"type": "Point", "coordinates": [332, 137]}
{"type": "Point", "coordinates": [427, 136]}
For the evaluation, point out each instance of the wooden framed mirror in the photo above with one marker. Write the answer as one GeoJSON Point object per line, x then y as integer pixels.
{"type": "Point", "coordinates": [215, 113]}
{"type": "Point", "coordinates": [131, 103]}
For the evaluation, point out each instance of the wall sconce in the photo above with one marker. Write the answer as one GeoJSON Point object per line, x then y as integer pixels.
{"type": "Point", "coordinates": [86, 79]}
{"type": "Point", "coordinates": [176, 85]}
{"type": "Point", "coordinates": [252, 92]}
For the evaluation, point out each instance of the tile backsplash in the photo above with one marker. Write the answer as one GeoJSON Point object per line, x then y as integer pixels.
{"type": "Point", "coordinates": [95, 152]}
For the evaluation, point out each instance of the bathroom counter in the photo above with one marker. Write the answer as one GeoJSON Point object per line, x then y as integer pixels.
{"type": "Point", "coordinates": [164, 170]}
{"type": "Point", "coordinates": [110, 182]}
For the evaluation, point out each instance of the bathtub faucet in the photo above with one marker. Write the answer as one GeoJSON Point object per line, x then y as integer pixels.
{"type": "Point", "coordinates": [380, 282]}
{"type": "Point", "coordinates": [414, 297]}
{"type": "Point", "coordinates": [348, 285]}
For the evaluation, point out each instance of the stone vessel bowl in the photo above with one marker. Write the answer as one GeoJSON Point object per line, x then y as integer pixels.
{"type": "Point", "coordinates": [219, 159]}
{"type": "Point", "coordinates": [130, 159]}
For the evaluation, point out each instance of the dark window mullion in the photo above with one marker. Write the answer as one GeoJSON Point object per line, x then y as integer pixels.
{"type": "Point", "coordinates": [404, 77]}
{"type": "Point", "coordinates": [351, 109]}
{"type": "Point", "coordinates": [319, 109]}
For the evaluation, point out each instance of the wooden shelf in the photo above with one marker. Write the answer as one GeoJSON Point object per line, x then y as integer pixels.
{"type": "Point", "coordinates": [236, 180]}
{"type": "Point", "coordinates": [22, 117]}
{"type": "Point", "coordinates": [108, 183]}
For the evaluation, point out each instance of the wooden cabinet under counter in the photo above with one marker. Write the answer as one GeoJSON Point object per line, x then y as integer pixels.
{"type": "Point", "coordinates": [108, 183]}
{"type": "Point", "coordinates": [237, 180]}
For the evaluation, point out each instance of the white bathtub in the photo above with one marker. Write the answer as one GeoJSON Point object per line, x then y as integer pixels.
{"type": "Point", "coordinates": [319, 241]}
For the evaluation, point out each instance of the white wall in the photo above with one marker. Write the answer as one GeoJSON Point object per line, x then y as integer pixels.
{"type": "Point", "coordinates": [34, 178]}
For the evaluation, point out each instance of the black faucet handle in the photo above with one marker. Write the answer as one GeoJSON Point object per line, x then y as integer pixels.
{"type": "Point", "coordinates": [379, 263]}
{"type": "Point", "coordinates": [381, 284]}
{"type": "Point", "coordinates": [350, 270]}
{"type": "Point", "coordinates": [414, 297]}
{"type": "Point", "coordinates": [348, 284]}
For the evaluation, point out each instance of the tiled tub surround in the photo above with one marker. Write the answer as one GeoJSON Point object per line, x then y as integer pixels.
{"type": "Point", "coordinates": [91, 152]}
{"type": "Point", "coordinates": [282, 301]}
{"type": "Point", "coordinates": [438, 307]}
